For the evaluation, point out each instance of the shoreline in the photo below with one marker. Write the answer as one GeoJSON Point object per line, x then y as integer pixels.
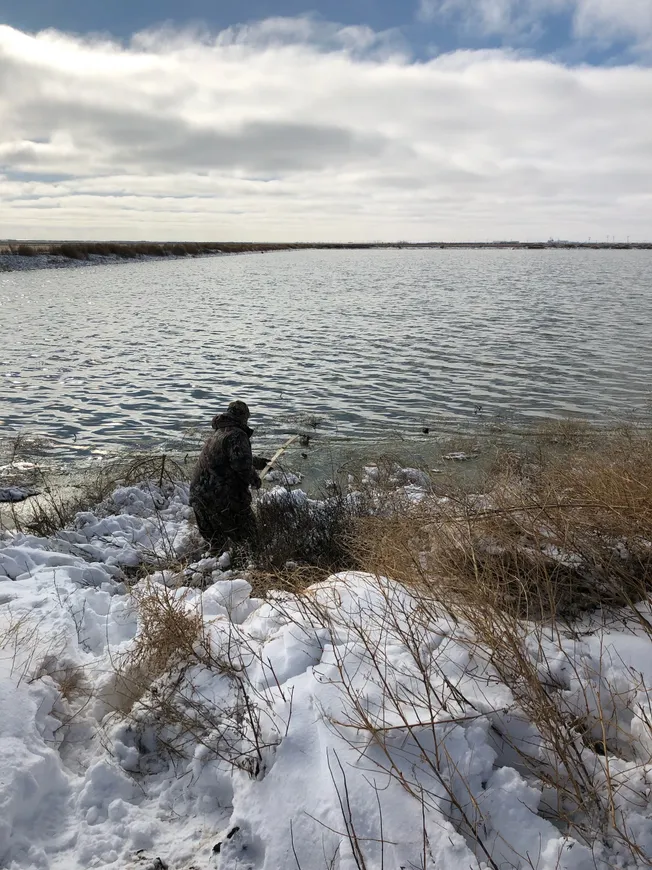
{"type": "Point", "coordinates": [27, 256]}
{"type": "Point", "coordinates": [37, 262]}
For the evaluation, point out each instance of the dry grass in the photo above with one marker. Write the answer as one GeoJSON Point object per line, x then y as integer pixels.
{"type": "Point", "coordinates": [69, 679]}
{"type": "Point", "coordinates": [168, 630]}
{"type": "Point", "coordinates": [315, 534]}
{"type": "Point", "coordinates": [159, 687]}
{"type": "Point", "coordinates": [56, 506]}
{"type": "Point", "coordinates": [36, 651]}
{"type": "Point", "coordinates": [293, 578]}
{"type": "Point", "coordinates": [563, 530]}
{"type": "Point", "coordinates": [557, 531]}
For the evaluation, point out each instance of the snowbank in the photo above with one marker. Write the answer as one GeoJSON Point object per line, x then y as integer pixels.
{"type": "Point", "coordinates": [20, 263]}
{"type": "Point", "coordinates": [346, 727]}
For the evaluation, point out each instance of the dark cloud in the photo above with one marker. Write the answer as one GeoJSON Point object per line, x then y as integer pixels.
{"type": "Point", "coordinates": [255, 147]}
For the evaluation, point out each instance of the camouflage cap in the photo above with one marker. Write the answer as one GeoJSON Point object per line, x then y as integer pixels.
{"type": "Point", "coordinates": [239, 409]}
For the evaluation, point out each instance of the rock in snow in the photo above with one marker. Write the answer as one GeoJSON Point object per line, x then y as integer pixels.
{"type": "Point", "coordinates": [298, 732]}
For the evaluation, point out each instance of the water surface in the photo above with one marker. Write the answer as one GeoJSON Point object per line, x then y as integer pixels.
{"type": "Point", "coordinates": [378, 343]}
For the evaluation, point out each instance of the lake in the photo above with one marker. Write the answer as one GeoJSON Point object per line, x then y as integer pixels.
{"type": "Point", "coordinates": [378, 344]}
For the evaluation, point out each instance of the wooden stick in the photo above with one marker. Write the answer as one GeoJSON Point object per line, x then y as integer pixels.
{"type": "Point", "coordinates": [278, 454]}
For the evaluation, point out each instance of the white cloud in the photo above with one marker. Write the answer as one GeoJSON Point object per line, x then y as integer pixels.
{"type": "Point", "coordinates": [606, 20]}
{"type": "Point", "coordinates": [509, 18]}
{"type": "Point", "coordinates": [601, 21]}
{"type": "Point", "coordinates": [296, 130]}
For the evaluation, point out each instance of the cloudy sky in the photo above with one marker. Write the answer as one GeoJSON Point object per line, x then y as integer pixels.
{"type": "Point", "coordinates": [346, 120]}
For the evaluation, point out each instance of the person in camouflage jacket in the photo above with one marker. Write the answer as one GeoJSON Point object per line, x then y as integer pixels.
{"type": "Point", "coordinates": [220, 488]}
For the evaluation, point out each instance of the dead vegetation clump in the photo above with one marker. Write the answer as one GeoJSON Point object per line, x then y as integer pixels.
{"type": "Point", "coordinates": [302, 540]}
{"type": "Point", "coordinates": [555, 532]}
{"type": "Point", "coordinates": [69, 678]}
{"type": "Point", "coordinates": [180, 687]}
{"type": "Point", "coordinates": [57, 505]}
{"type": "Point", "coordinates": [167, 630]}
{"type": "Point", "coordinates": [313, 533]}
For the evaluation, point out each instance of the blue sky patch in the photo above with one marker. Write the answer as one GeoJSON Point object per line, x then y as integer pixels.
{"type": "Point", "coordinates": [542, 27]}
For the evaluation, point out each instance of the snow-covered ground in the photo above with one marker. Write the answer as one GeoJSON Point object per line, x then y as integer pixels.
{"type": "Point", "coordinates": [19, 263]}
{"type": "Point", "coordinates": [15, 493]}
{"type": "Point", "coordinates": [350, 726]}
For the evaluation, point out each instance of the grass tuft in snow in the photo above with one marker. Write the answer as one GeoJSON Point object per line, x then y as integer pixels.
{"type": "Point", "coordinates": [168, 629]}
{"type": "Point", "coordinates": [56, 505]}
{"type": "Point", "coordinates": [186, 686]}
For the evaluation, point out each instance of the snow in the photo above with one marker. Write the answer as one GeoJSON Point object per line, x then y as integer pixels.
{"type": "Point", "coordinates": [285, 478]}
{"type": "Point", "coordinates": [20, 263]}
{"type": "Point", "coordinates": [16, 493]}
{"type": "Point", "coordinates": [296, 731]}
{"type": "Point", "coordinates": [459, 456]}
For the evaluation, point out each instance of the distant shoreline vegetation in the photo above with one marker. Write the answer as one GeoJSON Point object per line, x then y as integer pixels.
{"type": "Point", "coordinates": [80, 250]}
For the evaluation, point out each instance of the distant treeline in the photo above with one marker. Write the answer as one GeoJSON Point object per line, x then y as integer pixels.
{"type": "Point", "coordinates": [132, 250]}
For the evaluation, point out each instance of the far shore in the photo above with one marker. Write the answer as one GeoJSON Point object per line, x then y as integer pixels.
{"type": "Point", "coordinates": [20, 255]}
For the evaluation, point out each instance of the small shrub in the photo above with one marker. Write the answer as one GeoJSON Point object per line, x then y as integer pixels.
{"type": "Point", "coordinates": [167, 632]}
{"type": "Point", "coordinates": [71, 251]}
{"type": "Point", "coordinates": [159, 686]}
{"type": "Point", "coordinates": [69, 679]}
{"type": "Point", "coordinates": [293, 528]}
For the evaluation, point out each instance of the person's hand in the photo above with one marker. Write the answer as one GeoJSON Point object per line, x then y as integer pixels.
{"type": "Point", "coordinates": [256, 482]}
{"type": "Point", "coordinates": [260, 462]}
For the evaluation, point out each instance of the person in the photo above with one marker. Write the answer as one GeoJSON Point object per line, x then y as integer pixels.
{"type": "Point", "coordinates": [220, 492]}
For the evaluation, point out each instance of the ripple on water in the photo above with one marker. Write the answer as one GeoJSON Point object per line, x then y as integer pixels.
{"type": "Point", "coordinates": [371, 340]}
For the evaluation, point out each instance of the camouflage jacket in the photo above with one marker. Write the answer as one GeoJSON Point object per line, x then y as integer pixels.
{"type": "Point", "coordinates": [225, 469]}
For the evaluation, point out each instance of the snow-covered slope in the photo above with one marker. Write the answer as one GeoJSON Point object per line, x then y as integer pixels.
{"type": "Point", "coordinates": [345, 727]}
